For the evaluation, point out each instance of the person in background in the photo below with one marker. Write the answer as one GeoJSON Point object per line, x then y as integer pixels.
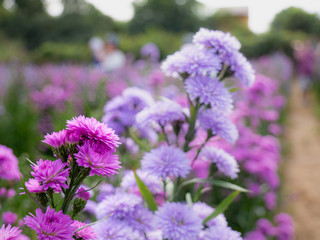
{"type": "Point", "coordinates": [96, 46]}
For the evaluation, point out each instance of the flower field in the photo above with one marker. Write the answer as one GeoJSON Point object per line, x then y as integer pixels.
{"type": "Point", "coordinates": [184, 148]}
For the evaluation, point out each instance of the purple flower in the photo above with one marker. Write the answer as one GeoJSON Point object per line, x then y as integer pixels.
{"type": "Point", "coordinates": [90, 128]}
{"type": "Point", "coordinates": [191, 60]}
{"type": "Point", "coordinates": [51, 174]}
{"type": "Point", "coordinates": [51, 225]}
{"type": "Point", "coordinates": [226, 163]}
{"type": "Point", "coordinates": [221, 42]}
{"type": "Point", "coordinates": [9, 217]}
{"type": "Point", "coordinates": [162, 112]}
{"type": "Point", "coordinates": [83, 193]}
{"type": "Point", "coordinates": [34, 186]}
{"type": "Point", "coordinates": [120, 205]}
{"type": "Point", "coordinates": [150, 50]}
{"type": "Point", "coordinates": [209, 91]}
{"type": "Point", "coordinates": [141, 219]}
{"type": "Point", "coordinates": [115, 230]}
{"type": "Point", "coordinates": [101, 163]}
{"type": "Point", "coordinates": [177, 221]}
{"type": "Point", "coordinates": [87, 233]}
{"type": "Point", "coordinates": [203, 211]}
{"type": "Point", "coordinates": [56, 139]}
{"type": "Point", "coordinates": [9, 168]}
{"type": "Point", "coordinates": [219, 124]}
{"type": "Point", "coordinates": [9, 233]}
{"type": "Point", "coordinates": [219, 232]}
{"type": "Point", "coordinates": [166, 161]}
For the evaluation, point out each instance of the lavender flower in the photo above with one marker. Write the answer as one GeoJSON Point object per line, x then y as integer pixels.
{"type": "Point", "coordinates": [120, 205]}
{"type": "Point", "coordinates": [150, 50]}
{"type": "Point", "coordinates": [90, 128]}
{"type": "Point", "coordinates": [9, 168]}
{"type": "Point", "coordinates": [51, 225]}
{"type": "Point", "coordinates": [209, 91]}
{"type": "Point", "coordinates": [84, 234]}
{"type": "Point", "coordinates": [100, 163]}
{"type": "Point", "coordinates": [162, 112]}
{"type": "Point", "coordinates": [203, 211]}
{"type": "Point", "coordinates": [219, 232]}
{"type": "Point", "coordinates": [177, 221]}
{"type": "Point", "coordinates": [219, 124]}
{"type": "Point", "coordinates": [226, 163]}
{"type": "Point", "coordinates": [115, 230]}
{"type": "Point", "coordinates": [166, 161]}
{"type": "Point", "coordinates": [9, 233]}
{"type": "Point", "coordinates": [51, 174]}
{"type": "Point", "coordinates": [141, 219]}
{"type": "Point", "coordinates": [192, 61]}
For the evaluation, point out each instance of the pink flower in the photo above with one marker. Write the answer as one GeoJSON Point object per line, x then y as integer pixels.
{"type": "Point", "coordinates": [9, 217]}
{"type": "Point", "coordinates": [86, 233]}
{"type": "Point", "coordinates": [9, 232]}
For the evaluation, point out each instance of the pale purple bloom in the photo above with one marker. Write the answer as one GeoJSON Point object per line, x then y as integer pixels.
{"type": "Point", "coordinates": [87, 233]}
{"type": "Point", "coordinates": [9, 168]}
{"type": "Point", "coordinates": [270, 199]}
{"type": "Point", "coordinates": [166, 161]}
{"type": "Point", "coordinates": [51, 225]}
{"type": "Point", "coordinates": [209, 91]}
{"type": "Point", "coordinates": [10, 233]}
{"type": "Point", "coordinates": [90, 128]}
{"type": "Point", "coordinates": [9, 217]}
{"type": "Point", "coordinates": [11, 193]}
{"type": "Point", "coordinates": [177, 221]}
{"type": "Point", "coordinates": [120, 205]}
{"type": "Point", "coordinates": [152, 182]}
{"type": "Point", "coordinates": [151, 51]}
{"type": "Point", "coordinates": [101, 163]}
{"type": "Point", "coordinates": [141, 219]}
{"type": "Point", "coordinates": [203, 211]}
{"type": "Point", "coordinates": [51, 174]}
{"type": "Point", "coordinates": [219, 233]}
{"type": "Point", "coordinates": [221, 42]}
{"type": "Point", "coordinates": [162, 112]}
{"type": "Point", "coordinates": [285, 228]}
{"type": "Point", "coordinates": [191, 60]}
{"type": "Point", "coordinates": [225, 162]}
{"type": "Point", "coordinates": [115, 230]}
{"type": "Point", "coordinates": [219, 124]}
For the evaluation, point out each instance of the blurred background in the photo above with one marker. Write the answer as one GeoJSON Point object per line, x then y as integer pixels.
{"type": "Point", "coordinates": [52, 69]}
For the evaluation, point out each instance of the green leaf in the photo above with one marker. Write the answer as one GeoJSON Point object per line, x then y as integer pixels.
{"type": "Point", "coordinates": [234, 89]}
{"type": "Point", "coordinates": [219, 183]}
{"type": "Point", "coordinates": [140, 143]}
{"type": "Point", "coordinates": [221, 207]}
{"type": "Point", "coordinates": [145, 193]}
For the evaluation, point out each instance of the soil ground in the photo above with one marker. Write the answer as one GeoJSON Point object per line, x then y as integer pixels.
{"type": "Point", "coordinates": [302, 167]}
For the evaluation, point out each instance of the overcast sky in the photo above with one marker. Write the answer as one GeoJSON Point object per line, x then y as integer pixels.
{"type": "Point", "coordinates": [261, 12]}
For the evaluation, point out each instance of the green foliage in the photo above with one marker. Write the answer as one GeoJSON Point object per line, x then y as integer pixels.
{"type": "Point", "coordinates": [167, 42]}
{"type": "Point", "coordinates": [172, 15]}
{"type": "Point", "coordinates": [61, 52]}
{"type": "Point", "coordinates": [296, 19]}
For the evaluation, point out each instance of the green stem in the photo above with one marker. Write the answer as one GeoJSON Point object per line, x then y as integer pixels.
{"type": "Point", "coordinates": [164, 190]}
{"type": "Point", "coordinates": [164, 134]}
{"type": "Point", "coordinates": [209, 135]}
{"type": "Point", "coordinates": [192, 123]}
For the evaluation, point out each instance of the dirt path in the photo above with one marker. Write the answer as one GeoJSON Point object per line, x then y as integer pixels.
{"type": "Point", "coordinates": [302, 168]}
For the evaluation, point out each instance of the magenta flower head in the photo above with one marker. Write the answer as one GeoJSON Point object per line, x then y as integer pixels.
{"type": "Point", "coordinates": [89, 128]}
{"type": "Point", "coordinates": [56, 139]}
{"type": "Point", "coordinates": [9, 233]}
{"type": "Point", "coordinates": [100, 163]}
{"type": "Point", "coordinates": [9, 217]}
{"type": "Point", "coordinates": [51, 174]}
{"type": "Point", "coordinates": [87, 233]}
{"type": "Point", "coordinates": [51, 225]}
{"type": "Point", "coordinates": [9, 168]}
{"type": "Point", "coordinates": [83, 193]}
{"type": "Point", "coordinates": [34, 186]}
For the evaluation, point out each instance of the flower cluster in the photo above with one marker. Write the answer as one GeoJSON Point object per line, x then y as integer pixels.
{"type": "Point", "coordinates": [8, 161]}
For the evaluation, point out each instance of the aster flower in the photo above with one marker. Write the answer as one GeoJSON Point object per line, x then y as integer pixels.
{"type": "Point", "coordinates": [191, 60]}
{"type": "Point", "coordinates": [51, 174]}
{"type": "Point", "coordinates": [56, 139]}
{"type": "Point", "coordinates": [209, 91]}
{"type": "Point", "coordinates": [34, 186]}
{"type": "Point", "coordinates": [166, 161]}
{"type": "Point", "coordinates": [87, 233]}
{"type": "Point", "coordinates": [221, 42]}
{"type": "Point", "coordinates": [177, 221]}
{"type": "Point", "coordinates": [9, 233]}
{"type": "Point", "coordinates": [150, 50]}
{"type": "Point", "coordinates": [226, 163]}
{"type": "Point", "coordinates": [83, 193]}
{"type": "Point", "coordinates": [219, 232]}
{"type": "Point", "coordinates": [51, 225]}
{"type": "Point", "coordinates": [9, 217]}
{"type": "Point", "coordinates": [111, 229]}
{"type": "Point", "coordinates": [120, 204]}
{"type": "Point", "coordinates": [141, 219]}
{"type": "Point", "coordinates": [9, 168]}
{"type": "Point", "coordinates": [219, 124]}
{"type": "Point", "coordinates": [203, 211]}
{"type": "Point", "coordinates": [90, 128]}
{"type": "Point", "coordinates": [162, 112]}
{"type": "Point", "coordinates": [101, 163]}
